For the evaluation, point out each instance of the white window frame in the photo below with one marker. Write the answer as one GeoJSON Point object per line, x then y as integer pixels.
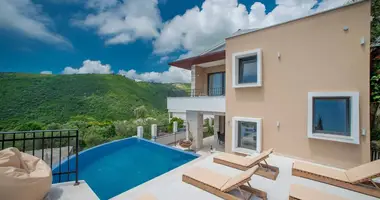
{"type": "Point", "coordinates": [235, 127]}
{"type": "Point", "coordinates": [354, 114]}
{"type": "Point", "coordinates": [235, 68]}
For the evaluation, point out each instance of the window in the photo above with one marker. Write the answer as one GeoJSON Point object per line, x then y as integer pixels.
{"type": "Point", "coordinates": [216, 84]}
{"type": "Point", "coordinates": [246, 135]}
{"type": "Point", "coordinates": [246, 69]}
{"type": "Point", "coordinates": [334, 116]}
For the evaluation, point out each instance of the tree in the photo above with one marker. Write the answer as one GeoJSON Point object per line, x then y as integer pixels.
{"type": "Point", "coordinates": [30, 126]}
{"type": "Point", "coordinates": [140, 112]}
{"type": "Point", "coordinates": [375, 99]}
{"type": "Point", "coordinates": [375, 24]}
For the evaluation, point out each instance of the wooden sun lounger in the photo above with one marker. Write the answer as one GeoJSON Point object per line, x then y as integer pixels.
{"type": "Point", "coordinates": [358, 179]}
{"type": "Point", "coordinates": [220, 184]}
{"type": "Point", "coordinates": [245, 163]}
{"type": "Point", "coordinates": [299, 192]}
{"type": "Point", "coordinates": [147, 197]}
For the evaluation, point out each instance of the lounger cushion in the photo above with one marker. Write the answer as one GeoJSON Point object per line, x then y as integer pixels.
{"type": "Point", "coordinates": [208, 177]}
{"type": "Point", "coordinates": [364, 172]}
{"type": "Point", "coordinates": [239, 160]}
{"type": "Point", "coordinates": [244, 161]}
{"type": "Point", "coordinates": [257, 159]}
{"type": "Point", "coordinates": [305, 193]}
{"type": "Point", "coordinates": [147, 197]}
{"type": "Point", "coordinates": [321, 170]}
{"type": "Point", "coordinates": [237, 180]}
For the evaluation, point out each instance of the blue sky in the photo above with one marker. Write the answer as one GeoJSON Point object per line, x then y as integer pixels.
{"type": "Point", "coordinates": [135, 38]}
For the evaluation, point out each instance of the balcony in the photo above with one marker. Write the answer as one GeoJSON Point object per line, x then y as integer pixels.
{"type": "Point", "coordinates": [206, 100]}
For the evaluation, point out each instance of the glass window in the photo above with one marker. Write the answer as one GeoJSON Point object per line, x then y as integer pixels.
{"type": "Point", "coordinates": [247, 135]}
{"type": "Point", "coordinates": [216, 83]}
{"type": "Point", "coordinates": [331, 115]}
{"type": "Point", "coordinates": [248, 70]}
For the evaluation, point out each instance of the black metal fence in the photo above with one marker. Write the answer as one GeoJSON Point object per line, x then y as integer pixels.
{"type": "Point", "coordinates": [167, 137]}
{"type": "Point", "coordinates": [52, 146]}
{"type": "Point", "coordinates": [220, 91]}
{"type": "Point", "coordinates": [375, 154]}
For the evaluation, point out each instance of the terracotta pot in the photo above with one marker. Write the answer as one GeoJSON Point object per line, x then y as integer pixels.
{"type": "Point", "coordinates": [185, 144]}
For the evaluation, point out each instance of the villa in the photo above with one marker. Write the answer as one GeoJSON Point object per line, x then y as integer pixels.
{"type": "Point", "coordinates": [300, 87]}
{"type": "Point", "coordinates": [291, 109]}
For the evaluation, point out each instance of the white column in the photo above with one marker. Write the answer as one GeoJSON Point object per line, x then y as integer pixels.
{"type": "Point", "coordinates": [216, 128]}
{"type": "Point", "coordinates": [193, 74]}
{"type": "Point", "coordinates": [175, 127]}
{"type": "Point", "coordinates": [195, 120]}
{"type": "Point", "coordinates": [187, 130]}
{"type": "Point", "coordinates": [140, 132]}
{"type": "Point", "coordinates": [154, 131]}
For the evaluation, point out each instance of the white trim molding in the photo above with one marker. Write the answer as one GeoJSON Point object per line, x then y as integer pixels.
{"type": "Point", "coordinates": [235, 68]}
{"type": "Point", "coordinates": [235, 127]}
{"type": "Point", "coordinates": [354, 137]}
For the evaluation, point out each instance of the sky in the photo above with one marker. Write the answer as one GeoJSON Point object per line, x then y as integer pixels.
{"type": "Point", "coordinates": [134, 38]}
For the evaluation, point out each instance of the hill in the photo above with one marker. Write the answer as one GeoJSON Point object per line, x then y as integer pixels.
{"type": "Point", "coordinates": [58, 98]}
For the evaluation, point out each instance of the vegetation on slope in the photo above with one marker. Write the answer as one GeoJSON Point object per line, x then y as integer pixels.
{"type": "Point", "coordinates": [58, 98]}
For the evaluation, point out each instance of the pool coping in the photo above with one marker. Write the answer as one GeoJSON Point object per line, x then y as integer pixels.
{"type": "Point", "coordinates": [170, 147]}
{"type": "Point", "coordinates": [119, 140]}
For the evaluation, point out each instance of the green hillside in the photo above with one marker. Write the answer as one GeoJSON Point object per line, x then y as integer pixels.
{"type": "Point", "coordinates": [59, 98]}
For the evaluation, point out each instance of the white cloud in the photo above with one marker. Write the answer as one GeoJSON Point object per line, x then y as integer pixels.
{"type": "Point", "coordinates": [89, 67]}
{"type": "Point", "coordinates": [26, 17]}
{"type": "Point", "coordinates": [163, 59]}
{"type": "Point", "coordinates": [122, 22]}
{"type": "Point", "coordinates": [199, 28]}
{"type": "Point", "coordinates": [46, 72]}
{"type": "Point", "coordinates": [173, 75]}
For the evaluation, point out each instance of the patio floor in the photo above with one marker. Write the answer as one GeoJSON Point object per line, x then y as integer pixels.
{"type": "Point", "coordinates": [170, 186]}
{"type": "Point", "coordinates": [67, 191]}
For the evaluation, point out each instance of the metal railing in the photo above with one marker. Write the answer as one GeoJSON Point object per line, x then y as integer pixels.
{"type": "Point", "coordinates": [163, 130]}
{"type": "Point", "coordinates": [167, 137]}
{"type": "Point", "coordinates": [198, 92]}
{"type": "Point", "coordinates": [375, 154]}
{"type": "Point", "coordinates": [47, 145]}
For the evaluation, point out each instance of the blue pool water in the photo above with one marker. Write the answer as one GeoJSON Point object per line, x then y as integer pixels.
{"type": "Point", "coordinates": [116, 167]}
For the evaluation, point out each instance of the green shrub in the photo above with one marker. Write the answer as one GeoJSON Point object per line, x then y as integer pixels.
{"type": "Point", "coordinates": [175, 119]}
{"type": "Point", "coordinates": [30, 126]}
{"type": "Point", "coordinates": [375, 135]}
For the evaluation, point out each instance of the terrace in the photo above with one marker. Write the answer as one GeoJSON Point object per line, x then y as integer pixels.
{"type": "Point", "coordinates": [168, 185]}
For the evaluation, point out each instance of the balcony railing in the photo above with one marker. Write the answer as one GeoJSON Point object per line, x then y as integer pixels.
{"type": "Point", "coordinates": [52, 146]}
{"type": "Point", "coordinates": [198, 92]}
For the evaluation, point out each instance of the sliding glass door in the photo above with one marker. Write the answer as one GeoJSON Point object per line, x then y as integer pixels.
{"type": "Point", "coordinates": [216, 84]}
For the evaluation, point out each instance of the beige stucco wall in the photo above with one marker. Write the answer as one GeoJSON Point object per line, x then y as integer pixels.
{"type": "Point", "coordinates": [316, 55]}
{"type": "Point", "coordinates": [201, 76]}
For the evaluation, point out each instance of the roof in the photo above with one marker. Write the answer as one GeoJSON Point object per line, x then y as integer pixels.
{"type": "Point", "coordinates": [222, 44]}
{"type": "Point", "coordinates": [208, 57]}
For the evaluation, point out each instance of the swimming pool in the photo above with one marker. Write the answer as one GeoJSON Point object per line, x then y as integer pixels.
{"type": "Point", "coordinates": [115, 167]}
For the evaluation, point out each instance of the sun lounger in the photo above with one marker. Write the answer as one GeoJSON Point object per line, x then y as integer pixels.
{"type": "Point", "coordinates": [220, 184]}
{"type": "Point", "coordinates": [245, 163]}
{"type": "Point", "coordinates": [146, 197]}
{"type": "Point", "coordinates": [299, 192]}
{"type": "Point", "coordinates": [358, 179]}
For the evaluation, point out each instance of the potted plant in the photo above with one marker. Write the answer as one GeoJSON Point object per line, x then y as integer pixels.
{"type": "Point", "coordinates": [187, 143]}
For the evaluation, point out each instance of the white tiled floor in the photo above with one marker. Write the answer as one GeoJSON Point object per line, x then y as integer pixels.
{"type": "Point", "coordinates": [67, 191]}
{"type": "Point", "coordinates": [170, 185]}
